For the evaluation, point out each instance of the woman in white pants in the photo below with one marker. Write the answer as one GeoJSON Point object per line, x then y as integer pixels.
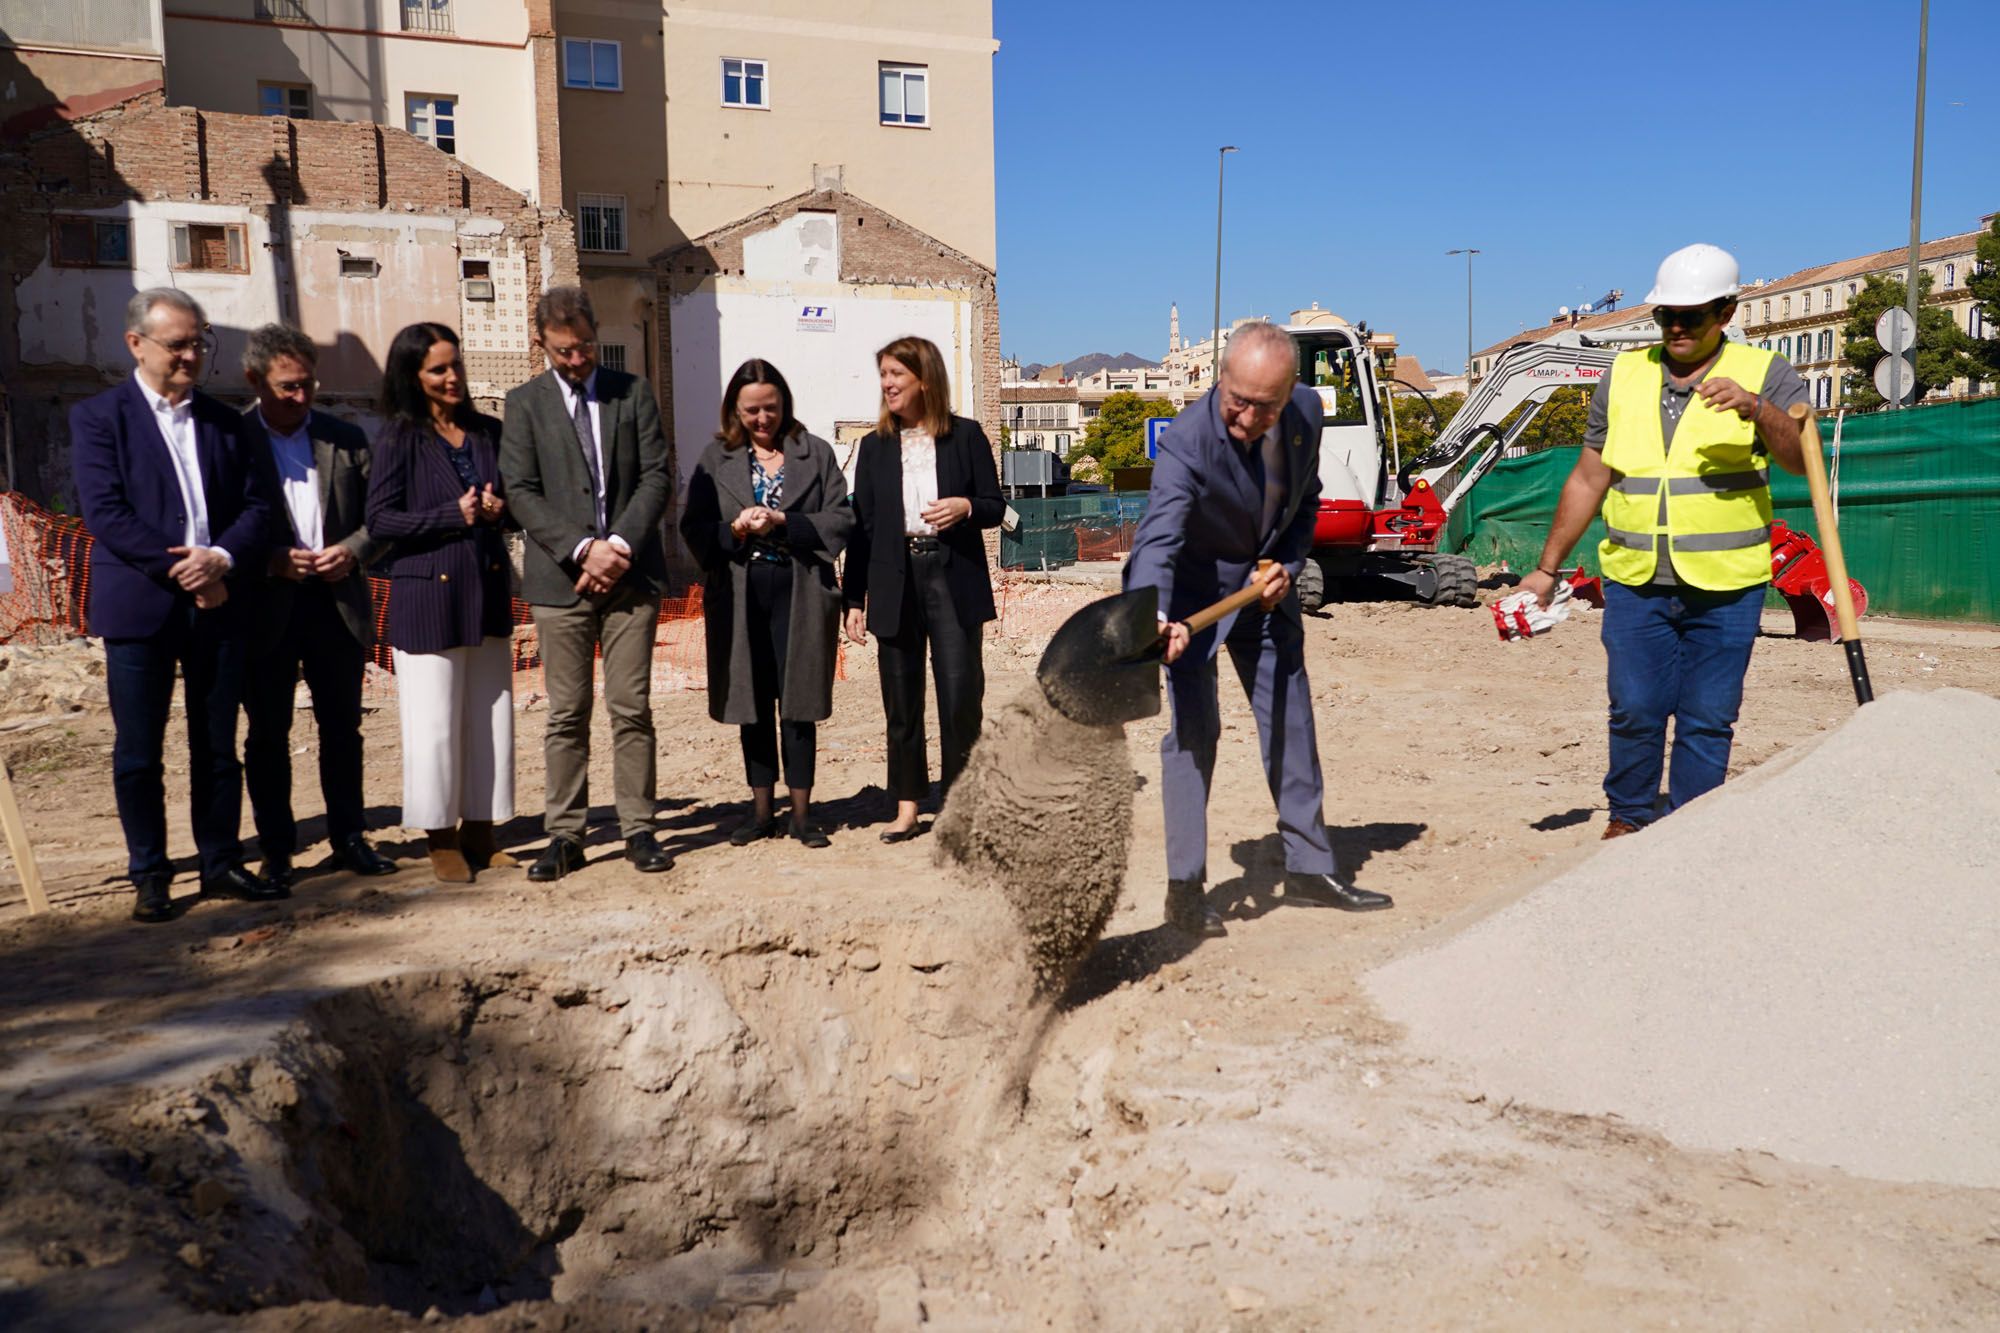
{"type": "Point", "coordinates": [435, 492]}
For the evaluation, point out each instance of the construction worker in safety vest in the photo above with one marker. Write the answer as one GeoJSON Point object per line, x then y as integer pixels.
{"type": "Point", "coordinates": [1677, 458]}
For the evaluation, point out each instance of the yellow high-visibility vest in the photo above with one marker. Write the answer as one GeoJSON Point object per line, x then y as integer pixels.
{"type": "Point", "coordinates": [1716, 479]}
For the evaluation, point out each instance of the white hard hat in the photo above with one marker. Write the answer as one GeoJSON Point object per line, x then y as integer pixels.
{"type": "Point", "coordinates": [1694, 275]}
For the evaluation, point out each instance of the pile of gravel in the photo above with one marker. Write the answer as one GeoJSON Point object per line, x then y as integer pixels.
{"type": "Point", "coordinates": [1803, 962]}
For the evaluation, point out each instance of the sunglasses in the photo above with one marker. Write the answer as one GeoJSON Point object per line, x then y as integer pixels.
{"type": "Point", "coordinates": [1668, 317]}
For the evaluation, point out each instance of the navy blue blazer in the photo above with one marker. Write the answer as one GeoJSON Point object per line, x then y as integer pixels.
{"type": "Point", "coordinates": [449, 584]}
{"type": "Point", "coordinates": [1203, 530]}
{"type": "Point", "coordinates": [131, 500]}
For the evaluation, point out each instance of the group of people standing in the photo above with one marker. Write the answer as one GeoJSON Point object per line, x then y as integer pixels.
{"type": "Point", "coordinates": [234, 550]}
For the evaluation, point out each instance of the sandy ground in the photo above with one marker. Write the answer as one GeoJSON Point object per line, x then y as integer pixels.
{"type": "Point", "coordinates": [1227, 1136]}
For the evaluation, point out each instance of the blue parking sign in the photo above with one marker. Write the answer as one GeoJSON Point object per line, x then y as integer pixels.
{"type": "Point", "coordinates": [1155, 427]}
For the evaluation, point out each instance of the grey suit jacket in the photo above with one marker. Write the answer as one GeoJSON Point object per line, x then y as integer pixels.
{"type": "Point", "coordinates": [548, 482]}
{"type": "Point", "coordinates": [340, 459]}
{"type": "Point", "coordinates": [1203, 531]}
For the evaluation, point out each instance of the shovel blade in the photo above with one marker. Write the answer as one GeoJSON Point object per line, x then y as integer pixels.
{"type": "Point", "coordinates": [1102, 667]}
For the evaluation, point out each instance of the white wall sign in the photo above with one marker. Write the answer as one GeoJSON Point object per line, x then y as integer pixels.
{"type": "Point", "coordinates": [815, 319]}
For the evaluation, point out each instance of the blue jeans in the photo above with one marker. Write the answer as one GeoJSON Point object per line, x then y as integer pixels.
{"type": "Point", "coordinates": [139, 677]}
{"type": "Point", "coordinates": [1677, 653]}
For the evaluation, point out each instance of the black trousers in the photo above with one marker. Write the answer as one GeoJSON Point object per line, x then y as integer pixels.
{"type": "Point", "coordinates": [139, 676]}
{"type": "Point", "coordinates": [929, 619]}
{"type": "Point", "coordinates": [769, 614]}
{"type": "Point", "coordinates": [317, 641]}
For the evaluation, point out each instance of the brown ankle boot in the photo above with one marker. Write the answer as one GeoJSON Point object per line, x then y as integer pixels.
{"type": "Point", "coordinates": [475, 837]}
{"type": "Point", "coordinates": [447, 862]}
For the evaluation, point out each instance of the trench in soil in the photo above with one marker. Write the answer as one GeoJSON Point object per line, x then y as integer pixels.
{"type": "Point", "coordinates": [468, 1141]}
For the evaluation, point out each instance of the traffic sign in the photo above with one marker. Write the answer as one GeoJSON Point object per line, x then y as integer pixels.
{"type": "Point", "coordinates": [1896, 388]}
{"type": "Point", "coordinates": [1155, 427]}
{"type": "Point", "coordinates": [1896, 331]}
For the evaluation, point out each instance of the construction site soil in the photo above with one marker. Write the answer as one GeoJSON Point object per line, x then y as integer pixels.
{"type": "Point", "coordinates": [889, 1086]}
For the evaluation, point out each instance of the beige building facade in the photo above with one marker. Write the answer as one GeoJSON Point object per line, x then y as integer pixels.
{"type": "Point", "coordinates": [62, 59]}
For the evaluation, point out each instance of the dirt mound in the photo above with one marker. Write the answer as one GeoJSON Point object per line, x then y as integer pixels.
{"type": "Point", "coordinates": [1043, 815]}
{"type": "Point", "coordinates": [1801, 962]}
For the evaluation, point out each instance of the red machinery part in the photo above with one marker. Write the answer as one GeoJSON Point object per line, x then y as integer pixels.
{"type": "Point", "coordinates": [1342, 524]}
{"type": "Point", "coordinates": [1414, 525]}
{"type": "Point", "coordinates": [1799, 573]}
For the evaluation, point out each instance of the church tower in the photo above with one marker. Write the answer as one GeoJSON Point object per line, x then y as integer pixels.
{"type": "Point", "coordinates": [1174, 328]}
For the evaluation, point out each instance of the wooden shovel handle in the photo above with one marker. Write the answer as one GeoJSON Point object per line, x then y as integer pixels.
{"type": "Point", "coordinates": [1829, 526]}
{"type": "Point", "coordinates": [1236, 601]}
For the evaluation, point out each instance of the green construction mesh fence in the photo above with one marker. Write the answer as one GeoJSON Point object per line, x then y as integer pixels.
{"type": "Point", "coordinates": [1065, 529]}
{"type": "Point", "coordinates": [1918, 493]}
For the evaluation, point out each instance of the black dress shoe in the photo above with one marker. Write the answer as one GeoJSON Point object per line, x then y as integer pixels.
{"type": "Point", "coordinates": [237, 882]}
{"type": "Point", "coordinates": [643, 850]}
{"type": "Point", "coordinates": [1326, 891]}
{"type": "Point", "coordinates": [277, 869]}
{"type": "Point", "coordinates": [901, 834]}
{"type": "Point", "coordinates": [754, 829]}
{"type": "Point", "coordinates": [811, 834]}
{"type": "Point", "coordinates": [354, 852]}
{"type": "Point", "coordinates": [563, 855]}
{"type": "Point", "coordinates": [1189, 913]}
{"type": "Point", "coordinates": [155, 902]}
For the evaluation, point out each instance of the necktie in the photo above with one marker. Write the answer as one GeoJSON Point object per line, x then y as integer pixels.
{"type": "Point", "coordinates": [1277, 479]}
{"type": "Point", "coordinates": [587, 440]}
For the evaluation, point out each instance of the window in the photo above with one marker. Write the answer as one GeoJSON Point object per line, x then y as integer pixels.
{"type": "Point", "coordinates": [285, 11]}
{"type": "Point", "coordinates": [427, 16]}
{"type": "Point", "coordinates": [210, 247]}
{"type": "Point", "coordinates": [1785, 307]}
{"type": "Point", "coordinates": [1785, 348]}
{"type": "Point", "coordinates": [1767, 312]}
{"type": "Point", "coordinates": [90, 243]}
{"type": "Point", "coordinates": [905, 94]}
{"type": "Point", "coordinates": [611, 355]}
{"type": "Point", "coordinates": [1975, 322]}
{"type": "Point", "coordinates": [1826, 345]}
{"type": "Point", "coordinates": [600, 222]}
{"type": "Point", "coordinates": [433, 118]}
{"type": "Point", "coordinates": [360, 266]}
{"type": "Point", "coordinates": [1766, 344]}
{"type": "Point", "coordinates": [589, 63]}
{"type": "Point", "coordinates": [285, 99]}
{"type": "Point", "coordinates": [745, 83]}
{"type": "Point", "coordinates": [1807, 298]}
{"type": "Point", "coordinates": [1852, 288]}
{"type": "Point", "coordinates": [1951, 275]}
{"type": "Point", "coordinates": [1826, 297]}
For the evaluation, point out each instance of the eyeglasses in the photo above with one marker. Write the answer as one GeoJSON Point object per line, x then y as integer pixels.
{"type": "Point", "coordinates": [292, 386]}
{"type": "Point", "coordinates": [181, 346]}
{"type": "Point", "coordinates": [1235, 403]}
{"type": "Point", "coordinates": [1687, 317]}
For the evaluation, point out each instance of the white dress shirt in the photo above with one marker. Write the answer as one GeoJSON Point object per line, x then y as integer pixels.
{"type": "Point", "coordinates": [920, 487]}
{"type": "Point", "coordinates": [298, 478]}
{"type": "Point", "coordinates": [589, 390]}
{"type": "Point", "coordinates": [176, 423]}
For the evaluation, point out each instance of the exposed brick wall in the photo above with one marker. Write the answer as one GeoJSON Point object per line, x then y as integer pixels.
{"type": "Point", "coordinates": [145, 150]}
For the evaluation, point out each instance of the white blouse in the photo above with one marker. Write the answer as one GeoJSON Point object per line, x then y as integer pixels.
{"type": "Point", "coordinates": [920, 486]}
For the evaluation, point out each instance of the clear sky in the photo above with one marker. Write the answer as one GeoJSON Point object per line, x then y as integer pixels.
{"type": "Point", "coordinates": [1575, 144]}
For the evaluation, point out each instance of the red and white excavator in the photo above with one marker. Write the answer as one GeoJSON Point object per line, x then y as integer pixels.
{"type": "Point", "coordinates": [1380, 521]}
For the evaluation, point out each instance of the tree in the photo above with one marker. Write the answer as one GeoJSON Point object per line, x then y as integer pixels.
{"type": "Point", "coordinates": [1985, 285]}
{"type": "Point", "coordinates": [1116, 436]}
{"type": "Point", "coordinates": [1416, 429]}
{"type": "Point", "coordinates": [1560, 422]}
{"type": "Point", "coordinates": [1943, 348]}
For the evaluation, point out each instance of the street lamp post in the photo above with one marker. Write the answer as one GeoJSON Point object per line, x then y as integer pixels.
{"type": "Point", "coordinates": [1468, 253]}
{"type": "Point", "coordinates": [1215, 351]}
{"type": "Point", "coordinates": [1913, 296]}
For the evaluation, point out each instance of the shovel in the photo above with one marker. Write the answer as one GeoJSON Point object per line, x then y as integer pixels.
{"type": "Point", "coordinates": [1102, 667]}
{"type": "Point", "coordinates": [1836, 561]}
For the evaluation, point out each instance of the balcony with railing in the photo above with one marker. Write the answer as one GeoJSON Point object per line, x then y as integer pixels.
{"type": "Point", "coordinates": [427, 16]}
{"type": "Point", "coordinates": [282, 11]}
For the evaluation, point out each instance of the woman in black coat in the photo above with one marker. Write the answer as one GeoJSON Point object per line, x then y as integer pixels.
{"type": "Point", "coordinates": [916, 575]}
{"type": "Point", "coordinates": [767, 515]}
{"type": "Point", "coordinates": [435, 492]}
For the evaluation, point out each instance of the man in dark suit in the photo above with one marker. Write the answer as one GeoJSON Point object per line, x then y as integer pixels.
{"type": "Point", "coordinates": [1237, 481]}
{"type": "Point", "coordinates": [312, 612]}
{"type": "Point", "coordinates": [180, 513]}
{"type": "Point", "coordinates": [585, 464]}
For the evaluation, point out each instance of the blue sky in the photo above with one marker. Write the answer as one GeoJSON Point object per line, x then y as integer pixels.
{"type": "Point", "coordinates": [1575, 144]}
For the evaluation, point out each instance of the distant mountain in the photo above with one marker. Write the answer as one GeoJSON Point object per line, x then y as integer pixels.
{"type": "Point", "coordinates": [1089, 364]}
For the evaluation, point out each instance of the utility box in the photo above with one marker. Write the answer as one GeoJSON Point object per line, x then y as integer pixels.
{"type": "Point", "coordinates": [1030, 467]}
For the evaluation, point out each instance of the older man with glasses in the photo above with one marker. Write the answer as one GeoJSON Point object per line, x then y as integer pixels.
{"type": "Point", "coordinates": [1677, 457]}
{"type": "Point", "coordinates": [179, 508]}
{"type": "Point", "coordinates": [1236, 482]}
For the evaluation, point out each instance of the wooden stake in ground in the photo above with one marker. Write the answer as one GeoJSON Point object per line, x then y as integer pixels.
{"type": "Point", "coordinates": [17, 843]}
{"type": "Point", "coordinates": [1836, 562]}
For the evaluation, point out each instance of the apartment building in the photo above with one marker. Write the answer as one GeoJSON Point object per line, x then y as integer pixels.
{"type": "Point", "coordinates": [61, 59]}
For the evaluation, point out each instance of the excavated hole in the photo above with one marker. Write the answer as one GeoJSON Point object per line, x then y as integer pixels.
{"type": "Point", "coordinates": [468, 1142]}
